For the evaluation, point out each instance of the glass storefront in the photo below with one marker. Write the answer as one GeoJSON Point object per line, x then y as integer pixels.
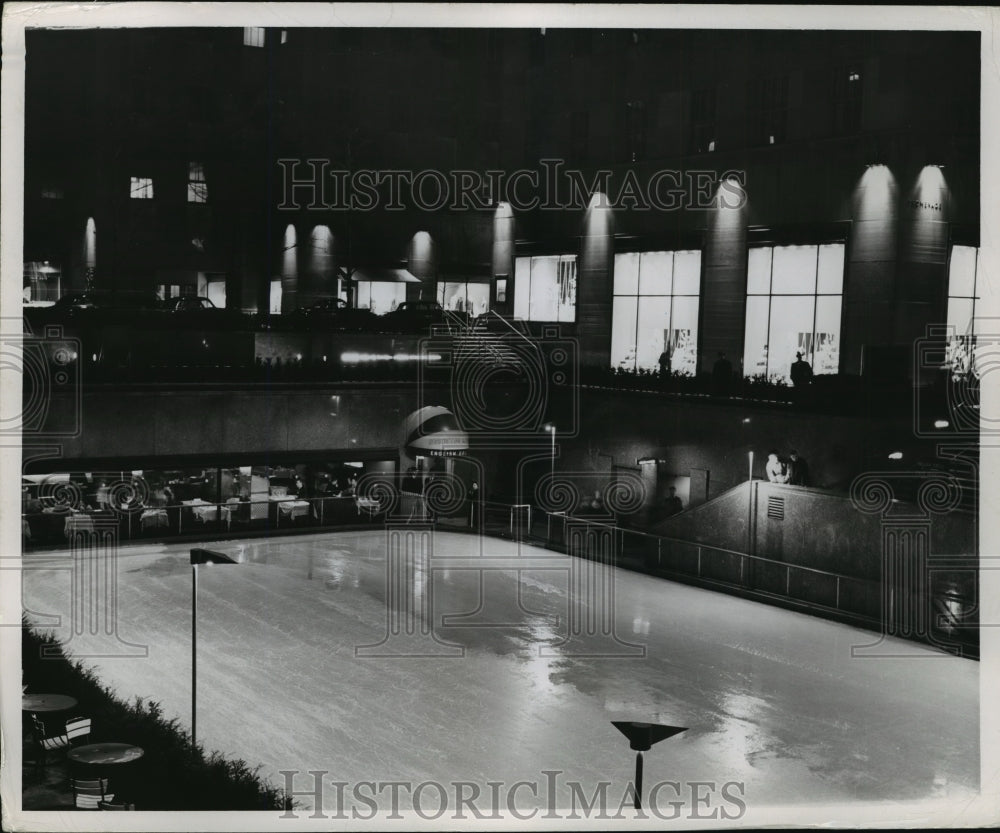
{"type": "Point", "coordinates": [380, 296]}
{"type": "Point", "coordinates": [545, 288]}
{"type": "Point", "coordinates": [794, 297]}
{"type": "Point", "coordinates": [964, 293]}
{"type": "Point", "coordinates": [461, 296]}
{"type": "Point", "coordinates": [655, 310]}
{"type": "Point", "coordinates": [42, 285]}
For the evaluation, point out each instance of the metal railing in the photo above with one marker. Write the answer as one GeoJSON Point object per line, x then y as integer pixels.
{"type": "Point", "coordinates": [822, 591]}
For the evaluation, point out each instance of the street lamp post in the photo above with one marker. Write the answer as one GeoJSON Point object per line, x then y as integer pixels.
{"type": "Point", "coordinates": [641, 737]}
{"type": "Point", "coordinates": [199, 556]}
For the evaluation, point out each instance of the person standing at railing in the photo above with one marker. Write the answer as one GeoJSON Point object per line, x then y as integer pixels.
{"type": "Point", "coordinates": [673, 503]}
{"type": "Point", "coordinates": [798, 470]}
{"type": "Point", "coordinates": [473, 505]}
{"type": "Point", "coordinates": [776, 471]}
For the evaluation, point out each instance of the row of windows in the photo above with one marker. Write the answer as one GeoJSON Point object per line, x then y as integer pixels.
{"type": "Point", "coordinates": [141, 187]}
{"type": "Point", "coordinates": [794, 303]}
{"type": "Point", "coordinates": [257, 36]}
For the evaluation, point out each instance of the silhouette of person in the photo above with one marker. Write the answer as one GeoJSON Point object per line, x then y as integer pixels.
{"type": "Point", "coordinates": [798, 470]}
{"type": "Point", "coordinates": [664, 361]}
{"type": "Point", "coordinates": [722, 374]}
{"type": "Point", "coordinates": [801, 372]}
{"type": "Point", "coordinates": [673, 503]}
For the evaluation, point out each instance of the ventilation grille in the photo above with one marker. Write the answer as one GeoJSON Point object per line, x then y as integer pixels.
{"type": "Point", "coordinates": [776, 508]}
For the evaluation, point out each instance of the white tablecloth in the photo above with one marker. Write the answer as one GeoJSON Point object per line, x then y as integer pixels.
{"type": "Point", "coordinates": [293, 508]}
{"type": "Point", "coordinates": [205, 511]}
{"type": "Point", "coordinates": [153, 517]}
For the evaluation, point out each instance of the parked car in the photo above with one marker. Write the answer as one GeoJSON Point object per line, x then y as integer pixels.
{"type": "Point", "coordinates": [196, 309]}
{"type": "Point", "coordinates": [95, 305]}
{"type": "Point", "coordinates": [334, 313]}
{"type": "Point", "coordinates": [414, 315]}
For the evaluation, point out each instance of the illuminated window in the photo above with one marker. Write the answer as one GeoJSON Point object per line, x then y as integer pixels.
{"type": "Point", "coordinates": [53, 193]}
{"type": "Point", "coordinates": [274, 299]}
{"type": "Point", "coordinates": [459, 296]}
{"type": "Point", "coordinates": [964, 292]}
{"type": "Point", "coordinates": [42, 283]}
{"type": "Point", "coordinates": [794, 296]}
{"type": "Point", "coordinates": [197, 186]}
{"type": "Point", "coordinates": [655, 310]}
{"type": "Point", "coordinates": [142, 188]}
{"type": "Point", "coordinates": [253, 35]}
{"type": "Point", "coordinates": [545, 288]}
{"type": "Point", "coordinates": [380, 296]}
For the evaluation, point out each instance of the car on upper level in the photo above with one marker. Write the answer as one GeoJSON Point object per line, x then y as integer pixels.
{"type": "Point", "coordinates": [333, 314]}
{"type": "Point", "coordinates": [95, 306]}
{"type": "Point", "coordinates": [412, 316]}
{"type": "Point", "coordinates": [196, 309]}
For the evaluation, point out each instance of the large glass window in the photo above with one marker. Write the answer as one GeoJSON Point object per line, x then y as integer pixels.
{"type": "Point", "coordinates": [253, 35]}
{"type": "Point", "coordinates": [141, 188]}
{"type": "Point", "coordinates": [655, 310]}
{"type": "Point", "coordinates": [794, 296]}
{"type": "Point", "coordinates": [545, 288]}
{"type": "Point", "coordinates": [197, 190]}
{"type": "Point", "coordinates": [459, 296]}
{"type": "Point", "coordinates": [380, 296]}
{"type": "Point", "coordinates": [42, 284]}
{"type": "Point", "coordinates": [964, 292]}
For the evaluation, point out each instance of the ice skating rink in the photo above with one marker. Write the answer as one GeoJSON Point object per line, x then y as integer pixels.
{"type": "Point", "coordinates": [771, 698]}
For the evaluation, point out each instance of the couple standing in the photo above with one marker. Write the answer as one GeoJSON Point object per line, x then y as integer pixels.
{"type": "Point", "coordinates": [794, 471]}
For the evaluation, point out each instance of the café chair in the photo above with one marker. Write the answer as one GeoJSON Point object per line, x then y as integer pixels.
{"type": "Point", "coordinates": [46, 743]}
{"type": "Point", "coordinates": [114, 805]}
{"type": "Point", "coordinates": [78, 728]}
{"type": "Point", "coordinates": [90, 793]}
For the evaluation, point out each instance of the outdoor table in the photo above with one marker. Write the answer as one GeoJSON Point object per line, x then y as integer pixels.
{"type": "Point", "coordinates": [47, 702]}
{"type": "Point", "coordinates": [101, 754]}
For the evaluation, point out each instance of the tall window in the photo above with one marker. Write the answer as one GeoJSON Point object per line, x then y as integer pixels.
{"type": "Point", "coordinates": [964, 291]}
{"type": "Point", "coordinates": [794, 296]}
{"type": "Point", "coordinates": [253, 35]}
{"type": "Point", "coordinates": [769, 110]}
{"type": "Point", "coordinates": [141, 188]}
{"type": "Point", "coordinates": [655, 310]}
{"type": "Point", "coordinates": [545, 288]}
{"type": "Point", "coordinates": [197, 186]}
{"type": "Point", "coordinates": [702, 138]}
{"type": "Point", "coordinates": [848, 96]}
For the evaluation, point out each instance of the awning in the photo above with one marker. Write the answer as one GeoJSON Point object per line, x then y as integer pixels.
{"type": "Point", "coordinates": [382, 274]}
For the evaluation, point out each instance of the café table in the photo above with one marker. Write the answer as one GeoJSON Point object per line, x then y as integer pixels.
{"type": "Point", "coordinates": [367, 504]}
{"type": "Point", "coordinates": [293, 508]}
{"type": "Point", "coordinates": [103, 754]}
{"type": "Point", "coordinates": [47, 702]}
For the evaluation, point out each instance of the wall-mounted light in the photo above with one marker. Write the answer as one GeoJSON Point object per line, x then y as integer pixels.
{"type": "Point", "coordinates": [896, 455]}
{"type": "Point", "coordinates": [941, 423]}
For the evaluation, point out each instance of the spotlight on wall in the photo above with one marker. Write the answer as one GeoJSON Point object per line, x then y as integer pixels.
{"type": "Point", "coordinates": [746, 420]}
